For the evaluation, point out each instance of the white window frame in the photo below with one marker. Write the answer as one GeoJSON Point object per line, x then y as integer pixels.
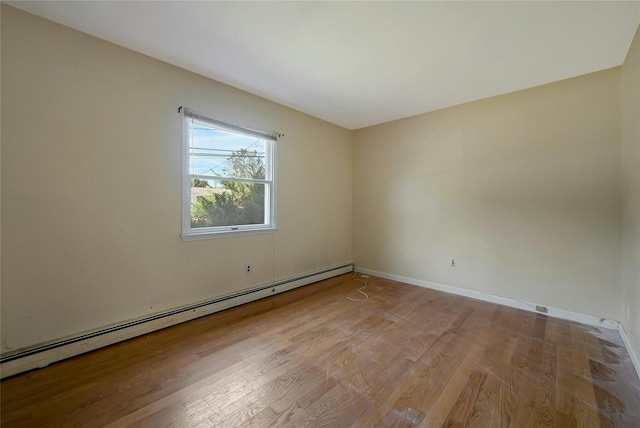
{"type": "Point", "coordinates": [190, 233]}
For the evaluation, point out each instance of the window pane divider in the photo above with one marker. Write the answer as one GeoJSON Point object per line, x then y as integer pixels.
{"type": "Point", "coordinates": [235, 179]}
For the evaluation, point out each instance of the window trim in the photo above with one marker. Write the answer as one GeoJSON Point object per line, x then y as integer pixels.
{"type": "Point", "coordinates": [189, 233]}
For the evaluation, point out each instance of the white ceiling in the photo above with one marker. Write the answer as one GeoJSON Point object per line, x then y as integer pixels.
{"type": "Point", "coordinates": [362, 63]}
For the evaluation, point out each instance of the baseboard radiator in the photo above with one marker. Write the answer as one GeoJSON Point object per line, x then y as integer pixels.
{"type": "Point", "coordinates": [44, 354]}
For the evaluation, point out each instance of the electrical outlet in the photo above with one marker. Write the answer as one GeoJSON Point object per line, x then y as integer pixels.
{"type": "Point", "coordinates": [247, 269]}
{"type": "Point", "coordinates": [542, 309]}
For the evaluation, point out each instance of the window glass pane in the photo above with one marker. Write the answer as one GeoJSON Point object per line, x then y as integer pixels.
{"type": "Point", "coordinates": [227, 179]}
{"type": "Point", "coordinates": [215, 152]}
{"type": "Point", "coordinates": [226, 203]}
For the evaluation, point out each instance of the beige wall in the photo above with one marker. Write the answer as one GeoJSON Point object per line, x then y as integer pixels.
{"type": "Point", "coordinates": [91, 186]}
{"type": "Point", "coordinates": [630, 272]}
{"type": "Point", "coordinates": [522, 190]}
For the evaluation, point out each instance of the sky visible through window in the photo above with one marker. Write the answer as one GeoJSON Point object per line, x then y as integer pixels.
{"type": "Point", "coordinates": [210, 149]}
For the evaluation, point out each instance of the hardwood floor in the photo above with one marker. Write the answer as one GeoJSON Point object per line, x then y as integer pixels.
{"type": "Point", "coordinates": [408, 356]}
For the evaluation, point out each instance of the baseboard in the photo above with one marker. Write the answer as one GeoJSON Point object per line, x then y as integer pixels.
{"type": "Point", "coordinates": [506, 301]}
{"type": "Point", "coordinates": [632, 353]}
{"type": "Point", "coordinates": [44, 354]}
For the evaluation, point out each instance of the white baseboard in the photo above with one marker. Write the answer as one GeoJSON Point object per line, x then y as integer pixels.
{"type": "Point", "coordinates": [506, 301]}
{"type": "Point", "coordinates": [50, 352]}
{"type": "Point", "coordinates": [630, 349]}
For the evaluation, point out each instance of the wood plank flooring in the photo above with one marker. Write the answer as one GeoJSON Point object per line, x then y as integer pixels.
{"type": "Point", "coordinates": [407, 356]}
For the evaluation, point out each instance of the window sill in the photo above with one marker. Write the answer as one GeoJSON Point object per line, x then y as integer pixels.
{"type": "Point", "coordinates": [198, 236]}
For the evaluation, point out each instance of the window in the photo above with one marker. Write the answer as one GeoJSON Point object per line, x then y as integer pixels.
{"type": "Point", "coordinates": [228, 179]}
